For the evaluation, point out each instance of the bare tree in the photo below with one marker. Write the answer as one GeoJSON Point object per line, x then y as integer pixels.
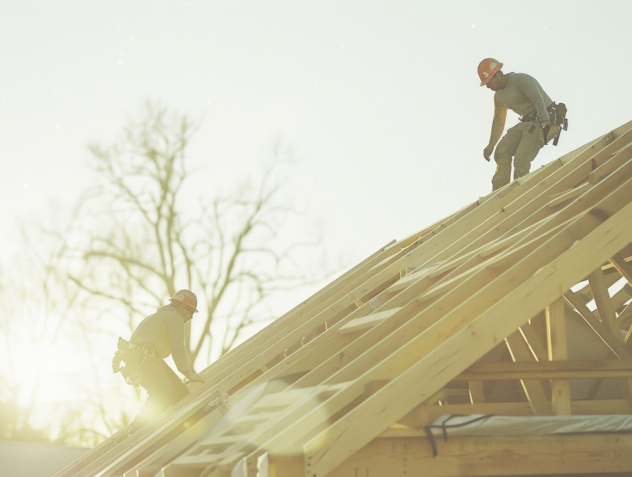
{"type": "Point", "coordinates": [135, 238]}
{"type": "Point", "coordinates": [38, 311]}
{"type": "Point", "coordinates": [144, 241]}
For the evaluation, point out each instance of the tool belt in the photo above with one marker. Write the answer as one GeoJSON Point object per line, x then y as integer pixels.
{"type": "Point", "coordinates": [557, 118]}
{"type": "Point", "coordinates": [557, 113]}
{"type": "Point", "coordinates": [133, 356]}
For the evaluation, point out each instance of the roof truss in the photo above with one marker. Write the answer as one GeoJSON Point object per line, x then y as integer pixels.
{"type": "Point", "coordinates": [518, 304]}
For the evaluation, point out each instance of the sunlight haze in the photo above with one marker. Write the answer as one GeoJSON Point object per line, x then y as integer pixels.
{"type": "Point", "coordinates": [378, 102]}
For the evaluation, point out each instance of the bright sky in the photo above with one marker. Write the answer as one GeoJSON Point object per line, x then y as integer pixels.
{"type": "Point", "coordinates": [379, 100]}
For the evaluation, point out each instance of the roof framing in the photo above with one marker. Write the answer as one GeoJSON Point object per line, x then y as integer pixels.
{"type": "Point", "coordinates": [518, 305]}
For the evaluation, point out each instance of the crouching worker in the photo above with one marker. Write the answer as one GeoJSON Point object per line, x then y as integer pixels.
{"type": "Point", "coordinates": [542, 120]}
{"type": "Point", "coordinates": [155, 338]}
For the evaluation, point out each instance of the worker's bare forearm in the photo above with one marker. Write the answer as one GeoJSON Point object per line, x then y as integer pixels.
{"type": "Point", "coordinates": [498, 126]}
{"type": "Point", "coordinates": [497, 131]}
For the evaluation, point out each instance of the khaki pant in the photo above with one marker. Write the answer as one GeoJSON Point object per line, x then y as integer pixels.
{"type": "Point", "coordinates": [522, 143]}
{"type": "Point", "coordinates": [164, 388]}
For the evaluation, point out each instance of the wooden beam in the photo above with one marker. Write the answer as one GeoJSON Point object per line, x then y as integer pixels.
{"type": "Point", "coordinates": [368, 321]}
{"type": "Point", "coordinates": [624, 268]}
{"type": "Point", "coordinates": [561, 197]}
{"type": "Point", "coordinates": [426, 414]}
{"type": "Point", "coordinates": [602, 300]}
{"type": "Point", "coordinates": [283, 466]}
{"type": "Point", "coordinates": [490, 456]}
{"type": "Point", "coordinates": [534, 334]}
{"type": "Point", "coordinates": [604, 170]}
{"type": "Point", "coordinates": [557, 350]}
{"type": "Point", "coordinates": [575, 369]}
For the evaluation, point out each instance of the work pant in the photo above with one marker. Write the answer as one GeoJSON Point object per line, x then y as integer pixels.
{"type": "Point", "coordinates": [522, 143]}
{"type": "Point", "coordinates": [164, 388]}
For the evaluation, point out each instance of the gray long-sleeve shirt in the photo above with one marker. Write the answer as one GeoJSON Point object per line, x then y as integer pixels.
{"type": "Point", "coordinates": [165, 330]}
{"type": "Point", "coordinates": [524, 95]}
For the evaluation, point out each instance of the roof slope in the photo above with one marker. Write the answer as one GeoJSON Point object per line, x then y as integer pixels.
{"type": "Point", "coordinates": [506, 307]}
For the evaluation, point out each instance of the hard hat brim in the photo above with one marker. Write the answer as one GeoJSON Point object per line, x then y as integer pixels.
{"type": "Point", "coordinates": [491, 75]}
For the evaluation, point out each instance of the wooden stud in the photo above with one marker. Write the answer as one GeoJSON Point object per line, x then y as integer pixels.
{"type": "Point", "coordinates": [602, 300]}
{"type": "Point", "coordinates": [558, 351]}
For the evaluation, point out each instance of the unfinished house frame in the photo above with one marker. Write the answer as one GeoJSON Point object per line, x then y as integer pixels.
{"type": "Point", "coordinates": [494, 343]}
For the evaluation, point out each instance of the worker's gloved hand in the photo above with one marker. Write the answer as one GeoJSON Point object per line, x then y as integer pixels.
{"type": "Point", "coordinates": [487, 152]}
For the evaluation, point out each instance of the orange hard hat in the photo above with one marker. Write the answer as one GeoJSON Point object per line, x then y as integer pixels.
{"type": "Point", "coordinates": [488, 68]}
{"type": "Point", "coordinates": [185, 297]}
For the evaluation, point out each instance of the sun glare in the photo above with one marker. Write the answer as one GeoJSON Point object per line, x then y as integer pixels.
{"type": "Point", "coordinates": [42, 379]}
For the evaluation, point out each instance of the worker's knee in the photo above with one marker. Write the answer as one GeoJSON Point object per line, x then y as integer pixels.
{"type": "Point", "coordinates": [506, 148]}
{"type": "Point", "coordinates": [502, 155]}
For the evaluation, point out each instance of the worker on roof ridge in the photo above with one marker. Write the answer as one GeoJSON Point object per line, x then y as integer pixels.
{"type": "Point", "coordinates": [159, 335]}
{"type": "Point", "coordinates": [540, 120]}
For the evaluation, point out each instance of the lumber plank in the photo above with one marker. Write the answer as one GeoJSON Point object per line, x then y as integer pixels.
{"type": "Point", "coordinates": [426, 414]}
{"type": "Point", "coordinates": [610, 166]}
{"type": "Point", "coordinates": [624, 268]}
{"type": "Point", "coordinates": [368, 321]}
{"type": "Point", "coordinates": [560, 369]}
{"type": "Point", "coordinates": [486, 456]}
{"type": "Point", "coordinates": [602, 300]}
{"type": "Point", "coordinates": [557, 351]}
{"type": "Point", "coordinates": [561, 197]}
